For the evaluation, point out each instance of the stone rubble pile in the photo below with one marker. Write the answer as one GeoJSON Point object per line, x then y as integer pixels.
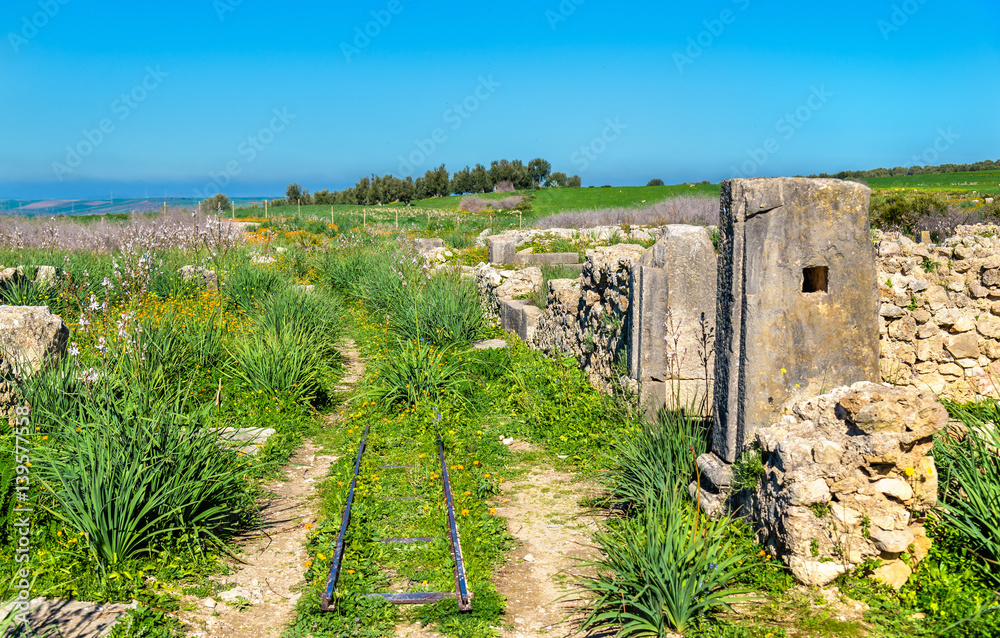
{"type": "Point", "coordinates": [844, 473]}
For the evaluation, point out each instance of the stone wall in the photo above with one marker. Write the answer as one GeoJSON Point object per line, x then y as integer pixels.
{"type": "Point", "coordinates": [589, 317]}
{"type": "Point", "coordinates": [940, 312]}
{"type": "Point", "coordinates": [630, 306]}
{"type": "Point", "coordinates": [844, 473]}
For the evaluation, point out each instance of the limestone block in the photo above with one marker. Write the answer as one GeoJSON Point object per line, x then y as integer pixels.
{"type": "Point", "coordinates": [904, 329]}
{"type": "Point", "coordinates": [797, 280]}
{"type": "Point", "coordinates": [30, 338]}
{"type": "Point", "coordinates": [501, 249]}
{"type": "Point", "coordinates": [894, 574]}
{"type": "Point", "coordinates": [963, 346]}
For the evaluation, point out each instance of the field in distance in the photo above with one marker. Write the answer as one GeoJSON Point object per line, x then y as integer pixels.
{"type": "Point", "coordinates": [983, 183]}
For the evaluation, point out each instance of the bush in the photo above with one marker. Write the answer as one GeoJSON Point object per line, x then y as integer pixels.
{"type": "Point", "coordinates": [504, 186]}
{"type": "Point", "coordinates": [902, 211]}
{"type": "Point", "coordinates": [317, 316]}
{"type": "Point", "coordinates": [249, 286]}
{"type": "Point", "coordinates": [655, 182]}
{"type": "Point", "coordinates": [663, 570]}
{"type": "Point", "coordinates": [474, 204]}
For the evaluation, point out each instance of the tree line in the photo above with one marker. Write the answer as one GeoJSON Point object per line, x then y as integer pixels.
{"type": "Point", "coordinates": [900, 171]}
{"type": "Point", "coordinates": [502, 175]}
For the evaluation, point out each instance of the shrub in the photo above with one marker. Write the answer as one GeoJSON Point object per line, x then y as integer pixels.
{"type": "Point", "coordinates": [748, 470]}
{"type": "Point", "coordinates": [249, 286]}
{"type": "Point", "coordinates": [474, 204]}
{"type": "Point", "coordinates": [902, 211]}
{"type": "Point", "coordinates": [549, 272]}
{"type": "Point", "coordinates": [419, 371]}
{"type": "Point", "coordinates": [662, 570]}
{"type": "Point", "coordinates": [509, 203]}
{"type": "Point", "coordinates": [504, 186]}
{"type": "Point", "coordinates": [655, 182]}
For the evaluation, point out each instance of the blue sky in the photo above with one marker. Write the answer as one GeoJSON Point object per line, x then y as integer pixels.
{"type": "Point", "coordinates": [244, 96]}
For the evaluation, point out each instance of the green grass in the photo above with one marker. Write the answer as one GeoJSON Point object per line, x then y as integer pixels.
{"type": "Point", "coordinates": [984, 183]}
{"type": "Point", "coordinates": [557, 200]}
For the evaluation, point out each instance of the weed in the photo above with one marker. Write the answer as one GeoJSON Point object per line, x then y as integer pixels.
{"type": "Point", "coordinates": [748, 470]}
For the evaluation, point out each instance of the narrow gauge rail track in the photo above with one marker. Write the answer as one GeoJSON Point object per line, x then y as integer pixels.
{"type": "Point", "coordinates": [461, 594]}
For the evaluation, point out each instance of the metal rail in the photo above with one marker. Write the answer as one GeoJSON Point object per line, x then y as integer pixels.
{"type": "Point", "coordinates": [461, 594]}
{"type": "Point", "coordinates": [338, 555]}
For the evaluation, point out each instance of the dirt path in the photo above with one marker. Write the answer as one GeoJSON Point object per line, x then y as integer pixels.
{"type": "Point", "coordinates": [544, 514]}
{"type": "Point", "coordinates": [260, 596]}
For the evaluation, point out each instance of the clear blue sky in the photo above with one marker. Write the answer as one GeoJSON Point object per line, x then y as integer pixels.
{"type": "Point", "coordinates": [873, 83]}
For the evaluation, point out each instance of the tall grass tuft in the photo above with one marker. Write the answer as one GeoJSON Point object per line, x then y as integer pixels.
{"type": "Point", "coordinates": [418, 371]}
{"type": "Point", "coordinates": [446, 310]}
{"type": "Point", "coordinates": [969, 480]}
{"type": "Point", "coordinates": [135, 474]}
{"type": "Point", "coordinates": [249, 286]}
{"type": "Point", "coordinates": [655, 457]}
{"type": "Point", "coordinates": [663, 569]}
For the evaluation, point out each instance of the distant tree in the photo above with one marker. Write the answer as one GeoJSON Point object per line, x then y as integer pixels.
{"type": "Point", "coordinates": [215, 204]}
{"type": "Point", "coordinates": [407, 191]}
{"type": "Point", "coordinates": [574, 182]}
{"type": "Point", "coordinates": [538, 170]}
{"type": "Point", "coordinates": [461, 183]}
{"type": "Point", "coordinates": [557, 180]}
{"type": "Point", "coordinates": [655, 182]}
{"type": "Point", "coordinates": [420, 188]}
{"type": "Point", "coordinates": [481, 180]}
{"type": "Point", "coordinates": [293, 193]}
{"type": "Point", "coordinates": [324, 197]}
{"type": "Point", "coordinates": [442, 182]}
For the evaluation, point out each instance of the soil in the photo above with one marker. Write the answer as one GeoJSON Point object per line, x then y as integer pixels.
{"type": "Point", "coordinates": [270, 575]}
{"type": "Point", "coordinates": [553, 531]}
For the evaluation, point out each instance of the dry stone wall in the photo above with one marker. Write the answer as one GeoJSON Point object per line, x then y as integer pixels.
{"type": "Point", "coordinates": [940, 312]}
{"type": "Point", "coordinates": [844, 473]}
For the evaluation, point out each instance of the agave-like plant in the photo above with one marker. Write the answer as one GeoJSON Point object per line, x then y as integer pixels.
{"type": "Point", "coordinates": [662, 569]}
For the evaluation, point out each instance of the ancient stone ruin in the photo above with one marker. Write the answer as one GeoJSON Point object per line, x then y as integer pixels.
{"type": "Point", "coordinates": [797, 301]}
{"type": "Point", "coordinates": [31, 337]}
{"type": "Point", "coordinates": [843, 473]}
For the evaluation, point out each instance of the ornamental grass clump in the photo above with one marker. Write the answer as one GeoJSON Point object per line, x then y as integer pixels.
{"type": "Point", "coordinates": [663, 569]}
{"type": "Point", "coordinates": [416, 371]}
{"type": "Point", "coordinates": [446, 309]}
{"type": "Point", "coordinates": [249, 287]}
{"type": "Point", "coordinates": [137, 475]}
{"type": "Point", "coordinates": [655, 456]}
{"type": "Point", "coordinates": [969, 480]}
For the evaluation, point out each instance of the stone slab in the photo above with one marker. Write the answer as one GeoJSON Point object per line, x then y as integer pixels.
{"type": "Point", "coordinates": [427, 244]}
{"type": "Point", "coordinates": [547, 258]}
{"type": "Point", "coordinates": [502, 250]}
{"type": "Point", "coordinates": [797, 299]}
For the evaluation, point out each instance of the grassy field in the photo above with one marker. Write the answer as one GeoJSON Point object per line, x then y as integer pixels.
{"type": "Point", "coordinates": [982, 183]}
{"type": "Point", "coordinates": [557, 200]}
